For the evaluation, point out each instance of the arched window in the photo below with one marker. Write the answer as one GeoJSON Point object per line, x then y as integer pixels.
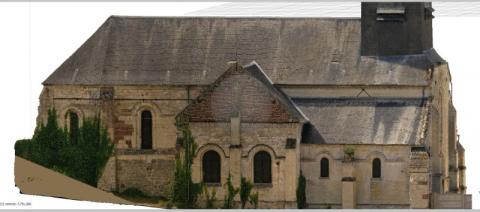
{"type": "Point", "coordinates": [324, 169]}
{"type": "Point", "coordinates": [146, 129]}
{"type": "Point", "coordinates": [376, 168]}
{"type": "Point", "coordinates": [211, 167]}
{"type": "Point", "coordinates": [73, 117]}
{"type": "Point", "coordinates": [262, 168]}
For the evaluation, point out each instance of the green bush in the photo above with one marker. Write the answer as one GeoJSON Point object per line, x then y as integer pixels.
{"type": "Point", "coordinates": [245, 189]}
{"type": "Point", "coordinates": [210, 198]}
{"type": "Point", "coordinates": [184, 192]}
{"type": "Point", "coordinates": [253, 199]}
{"type": "Point", "coordinates": [228, 201]}
{"type": "Point", "coordinates": [133, 192]}
{"type": "Point", "coordinates": [51, 147]}
{"type": "Point", "coordinates": [22, 147]}
{"type": "Point", "coordinates": [135, 195]}
{"type": "Point", "coordinates": [47, 141]}
{"type": "Point", "coordinates": [349, 151]}
{"type": "Point", "coordinates": [301, 195]}
{"type": "Point", "coordinates": [86, 158]}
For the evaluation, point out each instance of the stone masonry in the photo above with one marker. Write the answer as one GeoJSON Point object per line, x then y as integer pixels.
{"type": "Point", "coordinates": [302, 90]}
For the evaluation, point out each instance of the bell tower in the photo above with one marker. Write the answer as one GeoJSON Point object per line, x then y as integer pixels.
{"type": "Point", "coordinates": [393, 28]}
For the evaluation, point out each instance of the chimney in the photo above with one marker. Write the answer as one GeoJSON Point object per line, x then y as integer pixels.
{"type": "Point", "coordinates": [396, 28]}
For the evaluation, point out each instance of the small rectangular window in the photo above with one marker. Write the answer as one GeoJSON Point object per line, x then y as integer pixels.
{"type": "Point", "coordinates": [391, 14]}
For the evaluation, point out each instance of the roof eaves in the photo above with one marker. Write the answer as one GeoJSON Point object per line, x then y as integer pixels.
{"type": "Point", "coordinates": [433, 57]}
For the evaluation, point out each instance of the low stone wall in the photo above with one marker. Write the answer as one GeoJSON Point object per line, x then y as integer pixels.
{"type": "Point", "coordinates": [325, 206]}
{"type": "Point", "coordinates": [107, 181]}
{"type": "Point", "coordinates": [360, 206]}
{"type": "Point", "coordinates": [452, 201]}
{"type": "Point", "coordinates": [261, 204]}
{"type": "Point", "coordinates": [391, 189]}
{"type": "Point", "coordinates": [150, 171]}
{"type": "Point", "coordinates": [151, 176]}
{"type": "Point", "coordinates": [383, 206]}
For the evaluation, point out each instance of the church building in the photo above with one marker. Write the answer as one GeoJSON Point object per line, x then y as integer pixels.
{"type": "Point", "coordinates": [362, 107]}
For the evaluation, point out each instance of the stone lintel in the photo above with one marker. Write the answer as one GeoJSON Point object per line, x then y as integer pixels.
{"type": "Point", "coordinates": [348, 179]}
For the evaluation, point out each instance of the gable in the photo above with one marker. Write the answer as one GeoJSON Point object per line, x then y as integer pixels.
{"type": "Point", "coordinates": [247, 93]}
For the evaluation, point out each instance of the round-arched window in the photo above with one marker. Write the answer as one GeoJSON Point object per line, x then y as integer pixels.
{"type": "Point", "coordinates": [376, 168]}
{"type": "Point", "coordinates": [73, 122]}
{"type": "Point", "coordinates": [146, 129]}
{"type": "Point", "coordinates": [262, 167]}
{"type": "Point", "coordinates": [324, 168]}
{"type": "Point", "coordinates": [211, 167]}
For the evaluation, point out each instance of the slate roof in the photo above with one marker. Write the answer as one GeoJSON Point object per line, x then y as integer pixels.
{"type": "Point", "coordinates": [363, 120]}
{"type": "Point", "coordinates": [193, 51]}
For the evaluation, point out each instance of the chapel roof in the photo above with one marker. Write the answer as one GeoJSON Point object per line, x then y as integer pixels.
{"type": "Point", "coordinates": [193, 51]}
{"type": "Point", "coordinates": [217, 102]}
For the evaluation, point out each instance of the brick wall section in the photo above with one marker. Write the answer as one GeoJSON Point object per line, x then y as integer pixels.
{"type": "Point", "coordinates": [121, 129]}
{"type": "Point", "coordinates": [418, 162]}
{"type": "Point", "coordinates": [238, 89]}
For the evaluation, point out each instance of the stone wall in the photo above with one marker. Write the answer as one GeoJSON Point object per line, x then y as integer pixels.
{"type": "Point", "coordinates": [419, 188]}
{"type": "Point", "coordinates": [452, 201]}
{"type": "Point", "coordinates": [108, 179]}
{"type": "Point", "coordinates": [461, 170]}
{"type": "Point", "coordinates": [120, 108]}
{"type": "Point", "coordinates": [150, 172]}
{"type": "Point", "coordinates": [443, 135]}
{"type": "Point", "coordinates": [238, 159]}
{"type": "Point", "coordinates": [452, 149]}
{"type": "Point", "coordinates": [392, 189]}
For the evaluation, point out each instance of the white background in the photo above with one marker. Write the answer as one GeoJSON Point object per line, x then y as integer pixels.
{"type": "Point", "coordinates": [35, 38]}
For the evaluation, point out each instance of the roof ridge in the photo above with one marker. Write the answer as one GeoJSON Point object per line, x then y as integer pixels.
{"type": "Point", "coordinates": [232, 17]}
{"type": "Point", "coordinates": [254, 66]}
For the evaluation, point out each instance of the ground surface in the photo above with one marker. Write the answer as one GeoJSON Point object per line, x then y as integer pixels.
{"type": "Point", "coordinates": [33, 179]}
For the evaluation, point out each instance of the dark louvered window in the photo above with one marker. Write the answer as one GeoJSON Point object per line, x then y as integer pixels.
{"type": "Point", "coordinates": [376, 168]}
{"type": "Point", "coordinates": [73, 127]}
{"type": "Point", "coordinates": [262, 168]}
{"type": "Point", "coordinates": [146, 129]}
{"type": "Point", "coordinates": [324, 169]}
{"type": "Point", "coordinates": [211, 167]}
